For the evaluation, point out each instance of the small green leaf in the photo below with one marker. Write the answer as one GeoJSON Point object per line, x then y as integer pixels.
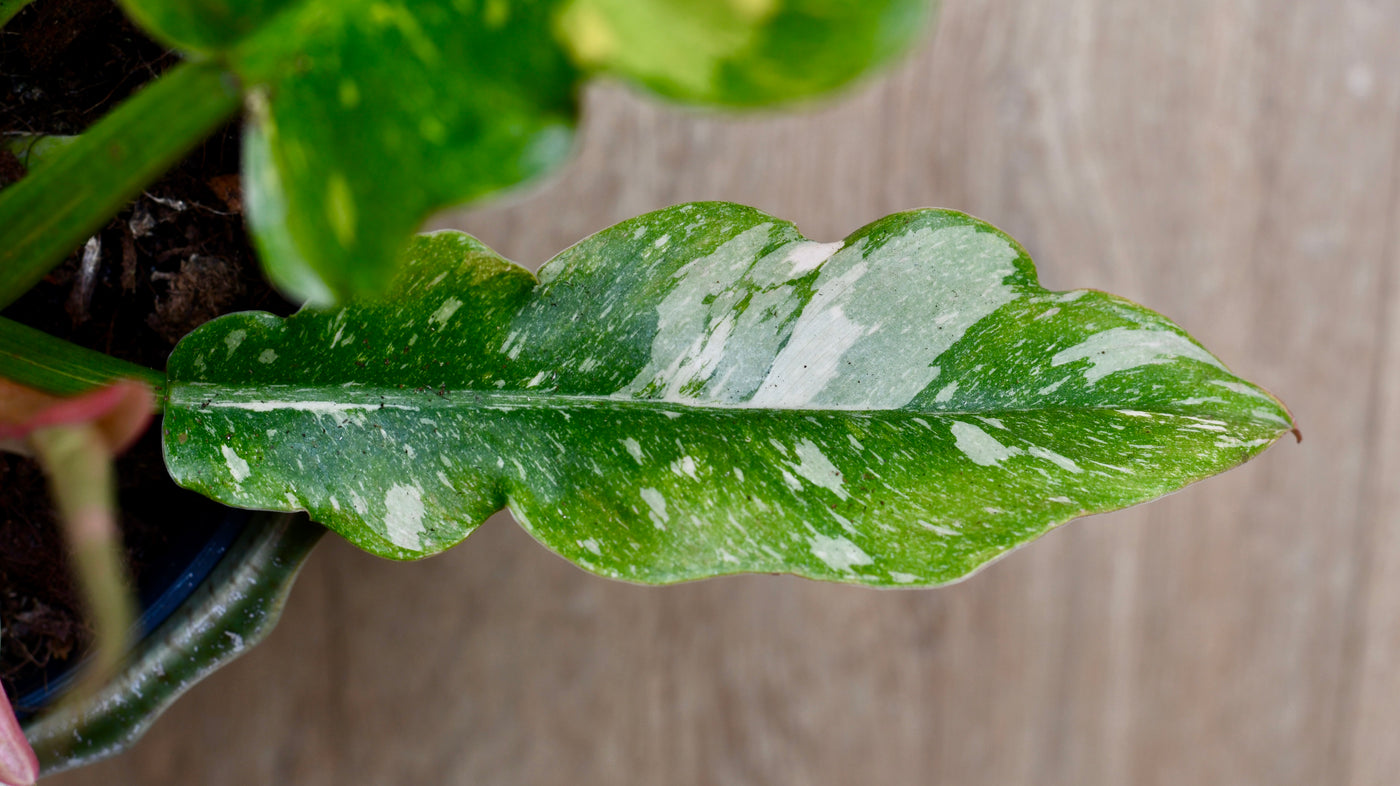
{"type": "Point", "coordinates": [378, 113]}
{"type": "Point", "coordinates": [739, 52]}
{"type": "Point", "coordinates": [365, 116]}
{"type": "Point", "coordinates": [701, 391]}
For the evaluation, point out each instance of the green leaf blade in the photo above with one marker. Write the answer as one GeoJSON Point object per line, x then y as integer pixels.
{"type": "Point", "coordinates": [377, 114]}
{"type": "Point", "coordinates": [740, 53]}
{"type": "Point", "coordinates": [702, 391]}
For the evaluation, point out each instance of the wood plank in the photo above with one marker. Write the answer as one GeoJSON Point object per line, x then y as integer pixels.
{"type": "Point", "coordinates": [1366, 737]}
{"type": "Point", "coordinates": [1231, 163]}
{"type": "Point", "coordinates": [1368, 752]}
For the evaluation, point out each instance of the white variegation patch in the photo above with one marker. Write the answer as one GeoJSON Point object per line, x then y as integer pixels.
{"type": "Point", "coordinates": [806, 256]}
{"type": "Point", "coordinates": [843, 336]}
{"type": "Point", "coordinates": [445, 311]}
{"type": "Point", "coordinates": [839, 553]}
{"type": "Point", "coordinates": [1055, 458]}
{"type": "Point", "coordinates": [817, 469]}
{"type": "Point", "coordinates": [237, 467]}
{"type": "Point", "coordinates": [403, 517]}
{"type": "Point", "coordinates": [234, 339]}
{"type": "Point", "coordinates": [698, 317]}
{"type": "Point", "coordinates": [1120, 349]}
{"type": "Point", "coordinates": [979, 446]}
{"type": "Point", "coordinates": [854, 345]}
{"type": "Point", "coordinates": [656, 501]}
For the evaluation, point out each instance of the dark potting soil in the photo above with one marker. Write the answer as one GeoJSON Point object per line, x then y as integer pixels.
{"type": "Point", "coordinates": [174, 259]}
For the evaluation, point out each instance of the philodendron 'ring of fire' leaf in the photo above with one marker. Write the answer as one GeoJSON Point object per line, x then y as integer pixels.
{"type": "Point", "coordinates": [367, 115]}
{"type": "Point", "coordinates": [701, 391]}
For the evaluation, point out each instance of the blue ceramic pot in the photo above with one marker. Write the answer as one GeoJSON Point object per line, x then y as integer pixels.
{"type": "Point", "coordinates": [226, 597]}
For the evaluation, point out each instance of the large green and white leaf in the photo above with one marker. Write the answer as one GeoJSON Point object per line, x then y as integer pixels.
{"type": "Point", "coordinates": [739, 52]}
{"type": "Point", "coordinates": [701, 391]}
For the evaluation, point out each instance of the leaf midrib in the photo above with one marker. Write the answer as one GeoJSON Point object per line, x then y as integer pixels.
{"type": "Point", "coordinates": [341, 399]}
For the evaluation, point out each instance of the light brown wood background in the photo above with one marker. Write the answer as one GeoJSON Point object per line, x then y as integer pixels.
{"type": "Point", "coordinates": [1232, 163]}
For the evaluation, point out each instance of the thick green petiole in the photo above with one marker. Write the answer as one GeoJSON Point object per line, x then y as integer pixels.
{"type": "Point", "coordinates": [38, 360]}
{"type": "Point", "coordinates": [50, 212]}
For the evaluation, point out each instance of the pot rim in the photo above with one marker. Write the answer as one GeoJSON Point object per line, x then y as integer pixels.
{"type": "Point", "coordinates": [158, 602]}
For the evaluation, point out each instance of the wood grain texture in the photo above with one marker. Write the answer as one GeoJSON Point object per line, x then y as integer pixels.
{"type": "Point", "coordinates": [1231, 163]}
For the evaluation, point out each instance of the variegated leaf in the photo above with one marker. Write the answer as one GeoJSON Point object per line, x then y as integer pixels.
{"type": "Point", "coordinates": [367, 116]}
{"type": "Point", "coordinates": [701, 391]}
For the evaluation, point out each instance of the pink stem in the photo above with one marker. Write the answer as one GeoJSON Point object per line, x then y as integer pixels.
{"type": "Point", "coordinates": [18, 764]}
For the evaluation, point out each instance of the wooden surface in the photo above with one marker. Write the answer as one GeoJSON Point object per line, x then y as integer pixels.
{"type": "Point", "coordinates": [1231, 163]}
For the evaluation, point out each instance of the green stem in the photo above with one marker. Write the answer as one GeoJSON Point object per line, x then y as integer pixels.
{"type": "Point", "coordinates": [78, 463]}
{"type": "Point", "coordinates": [51, 211]}
{"type": "Point", "coordinates": [8, 9]}
{"type": "Point", "coordinates": [36, 359]}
